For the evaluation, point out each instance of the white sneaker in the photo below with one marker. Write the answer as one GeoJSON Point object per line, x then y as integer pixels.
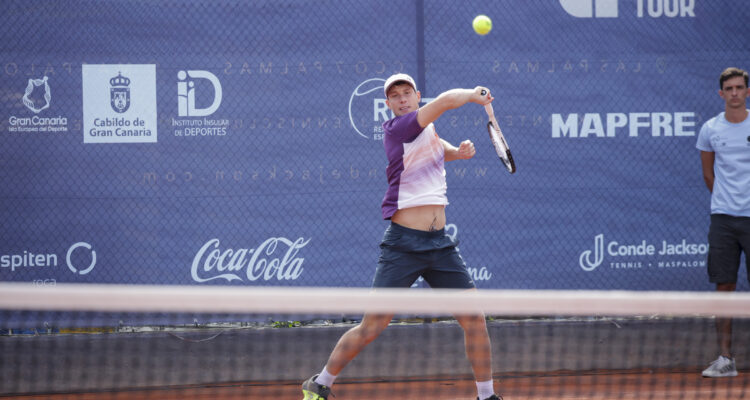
{"type": "Point", "coordinates": [721, 367]}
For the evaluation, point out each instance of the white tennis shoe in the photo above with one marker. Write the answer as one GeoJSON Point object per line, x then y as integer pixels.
{"type": "Point", "coordinates": [721, 367]}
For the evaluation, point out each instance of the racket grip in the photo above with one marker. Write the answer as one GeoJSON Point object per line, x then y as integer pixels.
{"type": "Point", "coordinates": [490, 110]}
{"type": "Point", "coordinates": [488, 107]}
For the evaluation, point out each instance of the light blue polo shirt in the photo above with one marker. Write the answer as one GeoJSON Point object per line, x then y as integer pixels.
{"type": "Point", "coordinates": [731, 145]}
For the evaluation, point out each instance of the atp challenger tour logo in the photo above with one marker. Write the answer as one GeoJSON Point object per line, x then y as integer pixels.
{"type": "Point", "coordinates": [643, 255]}
{"type": "Point", "coordinates": [643, 8]}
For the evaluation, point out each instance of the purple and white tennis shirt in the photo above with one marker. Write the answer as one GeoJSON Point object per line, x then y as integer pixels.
{"type": "Point", "coordinates": [415, 172]}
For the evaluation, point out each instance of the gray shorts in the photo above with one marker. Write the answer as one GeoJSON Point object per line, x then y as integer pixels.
{"type": "Point", "coordinates": [728, 237]}
{"type": "Point", "coordinates": [406, 254]}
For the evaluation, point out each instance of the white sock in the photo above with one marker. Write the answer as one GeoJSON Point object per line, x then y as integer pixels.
{"type": "Point", "coordinates": [485, 389]}
{"type": "Point", "coordinates": [325, 378]}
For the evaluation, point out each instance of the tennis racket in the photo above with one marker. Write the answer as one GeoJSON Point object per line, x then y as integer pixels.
{"type": "Point", "coordinates": [497, 138]}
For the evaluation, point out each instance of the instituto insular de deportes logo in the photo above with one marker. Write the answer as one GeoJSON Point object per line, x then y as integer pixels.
{"type": "Point", "coordinates": [192, 120]}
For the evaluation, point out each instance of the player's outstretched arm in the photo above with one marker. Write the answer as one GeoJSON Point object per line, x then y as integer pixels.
{"type": "Point", "coordinates": [451, 99]}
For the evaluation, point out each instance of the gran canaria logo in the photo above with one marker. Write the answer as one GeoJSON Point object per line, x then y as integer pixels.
{"type": "Point", "coordinates": [37, 97]}
{"type": "Point", "coordinates": [30, 88]}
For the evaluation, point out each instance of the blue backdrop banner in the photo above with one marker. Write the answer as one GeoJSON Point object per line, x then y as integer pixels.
{"type": "Point", "coordinates": [240, 142]}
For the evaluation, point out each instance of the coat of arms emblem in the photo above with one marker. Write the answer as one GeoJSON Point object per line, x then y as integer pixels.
{"type": "Point", "coordinates": [119, 93]}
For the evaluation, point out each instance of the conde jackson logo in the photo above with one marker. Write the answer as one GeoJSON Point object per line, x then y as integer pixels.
{"type": "Point", "coordinates": [665, 254]}
{"type": "Point", "coordinates": [277, 258]}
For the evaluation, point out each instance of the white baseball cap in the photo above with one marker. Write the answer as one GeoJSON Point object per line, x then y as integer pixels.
{"type": "Point", "coordinates": [395, 78]}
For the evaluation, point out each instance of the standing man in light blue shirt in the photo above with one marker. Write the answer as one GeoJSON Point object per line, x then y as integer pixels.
{"type": "Point", "coordinates": [724, 142]}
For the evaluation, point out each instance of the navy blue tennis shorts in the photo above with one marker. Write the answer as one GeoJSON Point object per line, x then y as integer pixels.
{"type": "Point", "coordinates": [406, 254]}
{"type": "Point", "coordinates": [728, 236]}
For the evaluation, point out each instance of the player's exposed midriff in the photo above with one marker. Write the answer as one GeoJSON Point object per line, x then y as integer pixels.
{"type": "Point", "coordinates": [423, 218]}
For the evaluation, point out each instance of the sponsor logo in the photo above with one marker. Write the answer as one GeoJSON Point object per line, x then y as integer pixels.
{"type": "Point", "coordinates": [119, 103]}
{"type": "Point", "coordinates": [718, 141]}
{"type": "Point", "coordinates": [642, 255]}
{"type": "Point", "coordinates": [119, 93]}
{"type": "Point", "coordinates": [666, 8]}
{"type": "Point", "coordinates": [590, 8]}
{"type": "Point", "coordinates": [37, 97]}
{"type": "Point", "coordinates": [186, 93]}
{"type": "Point", "coordinates": [644, 8]}
{"type": "Point", "coordinates": [634, 124]}
{"type": "Point", "coordinates": [28, 102]}
{"type": "Point", "coordinates": [192, 121]}
{"type": "Point", "coordinates": [368, 110]}
{"type": "Point", "coordinates": [80, 258]}
{"type": "Point", "coordinates": [276, 259]}
{"type": "Point", "coordinates": [72, 265]}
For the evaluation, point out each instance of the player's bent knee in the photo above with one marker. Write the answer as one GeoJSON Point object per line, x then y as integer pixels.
{"type": "Point", "coordinates": [372, 327]}
{"type": "Point", "coordinates": [473, 324]}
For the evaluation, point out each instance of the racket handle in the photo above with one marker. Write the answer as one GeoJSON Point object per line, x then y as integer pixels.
{"type": "Point", "coordinates": [488, 107]}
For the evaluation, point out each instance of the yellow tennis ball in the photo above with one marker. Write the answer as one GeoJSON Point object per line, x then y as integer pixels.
{"type": "Point", "coordinates": [482, 24]}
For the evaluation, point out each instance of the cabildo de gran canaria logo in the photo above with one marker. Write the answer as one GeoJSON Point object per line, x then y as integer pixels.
{"type": "Point", "coordinates": [119, 103]}
{"type": "Point", "coordinates": [119, 93]}
{"type": "Point", "coordinates": [665, 254]}
{"type": "Point", "coordinates": [644, 8]}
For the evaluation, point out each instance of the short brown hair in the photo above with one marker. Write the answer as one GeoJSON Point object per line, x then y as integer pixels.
{"type": "Point", "coordinates": [731, 72]}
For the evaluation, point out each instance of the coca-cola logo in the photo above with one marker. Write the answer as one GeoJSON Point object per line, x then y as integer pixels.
{"type": "Point", "coordinates": [274, 259]}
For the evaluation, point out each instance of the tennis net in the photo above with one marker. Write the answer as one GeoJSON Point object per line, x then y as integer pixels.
{"type": "Point", "coordinates": [170, 342]}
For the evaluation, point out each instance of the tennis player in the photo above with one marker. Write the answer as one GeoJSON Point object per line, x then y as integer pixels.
{"type": "Point", "coordinates": [415, 244]}
{"type": "Point", "coordinates": [724, 142]}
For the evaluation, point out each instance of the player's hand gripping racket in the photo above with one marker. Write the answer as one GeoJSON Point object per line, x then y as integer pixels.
{"type": "Point", "coordinates": [498, 140]}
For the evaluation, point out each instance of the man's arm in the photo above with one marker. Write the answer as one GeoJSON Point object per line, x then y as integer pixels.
{"type": "Point", "coordinates": [451, 99]}
{"type": "Point", "coordinates": [707, 162]}
{"type": "Point", "coordinates": [464, 151]}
